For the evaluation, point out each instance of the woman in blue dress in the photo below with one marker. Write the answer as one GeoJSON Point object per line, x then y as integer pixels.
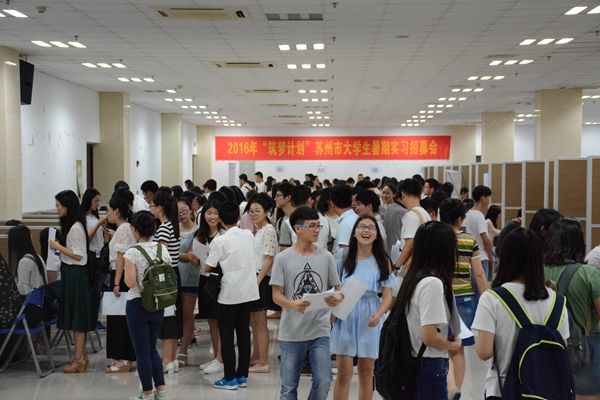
{"type": "Point", "coordinates": [358, 334]}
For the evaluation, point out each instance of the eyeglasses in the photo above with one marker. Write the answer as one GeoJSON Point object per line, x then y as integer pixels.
{"type": "Point", "coordinates": [311, 227]}
{"type": "Point", "coordinates": [254, 212]}
{"type": "Point", "coordinates": [371, 228]}
{"type": "Point", "coordinates": [183, 212]}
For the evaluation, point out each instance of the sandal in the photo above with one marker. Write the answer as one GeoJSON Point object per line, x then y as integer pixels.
{"type": "Point", "coordinates": [182, 359]}
{"type": "Point", "coordinates": [119, 366]}
{"type": "Point", "coordinates": [75, 367]}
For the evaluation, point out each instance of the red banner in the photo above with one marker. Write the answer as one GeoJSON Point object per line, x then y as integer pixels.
{"type": "Point", "coordinates": [332, 148]}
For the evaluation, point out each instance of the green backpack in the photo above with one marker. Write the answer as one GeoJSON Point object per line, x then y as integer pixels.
{"type": "Point", "coordinates": [160, 282]}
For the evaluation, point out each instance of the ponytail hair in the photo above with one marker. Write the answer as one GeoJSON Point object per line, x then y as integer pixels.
{"type": "Point", "coordinates": [169, 205]}
{"type": "Point", "coordinates": [120, 204]}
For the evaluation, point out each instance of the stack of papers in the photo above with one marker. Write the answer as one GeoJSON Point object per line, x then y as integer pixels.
{"type": "Point", "coordinates": [353, 290]}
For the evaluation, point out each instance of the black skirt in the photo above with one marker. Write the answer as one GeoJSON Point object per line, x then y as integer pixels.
{"type": "Point", "coordinates": [265, 302]}
{"type": "Point", "coordinates": [118, 341]}
{"type": "Point", "coordinates": [172, 327]}
{"type": "Point", "coordinates": [75, 312]}
{"type": "Point", "coordinates": [207, 307]}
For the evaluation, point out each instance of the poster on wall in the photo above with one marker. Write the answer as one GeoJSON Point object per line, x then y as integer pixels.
{"type": "Point", "coordinates": [332, 148]}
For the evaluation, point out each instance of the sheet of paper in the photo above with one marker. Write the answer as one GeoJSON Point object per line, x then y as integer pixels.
{"type": "Point", "coordinates": [53, 261]}
{"type": "Point", "coordinates": [465, 333]}
{"type": "Point", "coordinates": [317, 300]}
{"type": "Point", "coordinates": [353, 290]}
{"type": "Point", "coordinates": [113, 305]}
{"type": "Point", "coordinates": [201, 251]}
{"type": "Point", "coordinates": [170, 311]}
{"type": "Point", "coordinates": [395, 251]}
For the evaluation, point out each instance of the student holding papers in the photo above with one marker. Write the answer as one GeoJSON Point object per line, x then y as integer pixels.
{"type": "Point", "coordinates": [304, 268]}
{"type": "Point", "coordinates": [357, 335]}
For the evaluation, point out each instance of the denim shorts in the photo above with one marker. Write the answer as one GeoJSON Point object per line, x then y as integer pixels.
{"type": "Point", "coordinates": [587, 381]}
{"type": "Point", "coordinates": [431, 379]}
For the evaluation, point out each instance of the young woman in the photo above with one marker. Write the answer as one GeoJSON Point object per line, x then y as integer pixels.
{"type": "Point", "coordinates": [426, 296]}
{"type": "Point", "coordinates": [542, 221]}
{"type": "Point", "coordinates": [209, 229]}
{"type": "Point", "coordinates": [118, 344]}
{"type": "Point", "coordinates": [325, 207]}
{"type": "Point", "coordinates": [75, 311]}
{"type": "Point", "coordinates": [388, 194]}
{"type": "Point", "coordinates": [30, 269]}
{"type": "Point", "coordinates": [164, 208]}
{"type": "Point", "coordinates": [265, 247]}
{"type": "Point", "coordinates": [521, 272]}
{"type": "Point", "coordinates": [358, 335]}
{"type": "Point", "coordinates": [565, 245]}
{"type": "Point", "coordinates": [491, 219]}
{"type": "Point", "coordinates": [189, 270]}
{"type": "Point", "coordinates": [143, 325]}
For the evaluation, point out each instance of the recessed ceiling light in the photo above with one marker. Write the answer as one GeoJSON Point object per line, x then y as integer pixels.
{"type": "Point", "coordinates": [520, 115]}
{"type": "Point", "coordinates": [430, 116]}
{"type": "Point", "coordinates": [209, 117]}
{"type": "Point", "coordinates": [325, 100]}
{"type": "Point", "coordinates": [168, 99]}
{"type": "Point", "coordinates": [314, 125]}
{"type": "Point", "coordinates": [320, 124]}
{"type": "Point", "coordinates": [409, 124]}
{"type": "Point", "coordinates": [314, 100]}
{"type": "Point", "coordinates": [595, 10]}
{"type": "Point", "coordinates": [238, 124]}
{"type": "Point", "coordinates": [301, 46]}
{"type": "Point", "coordinates": [223, 116]}
{"type": "Point", "coordinates": [430, 112]}
{"type": "Point", "coordinates": [231, 121]}
{"type": "Point", "coordinates": [225, 124]}
{"type": "Point", "coordinates": [467, 90]}
{"type": "Point", "coordinates": [306, 66]}
{"type": "Point", "coordinates": [136, 80]}
{"type": "Point", "coordinates": [292, 66]}
{"type": "Point", "coordinates": [309, 112]}
{"type": "Point", "coordinates": [89, 65]}
{"type": "Point", "coordinates": [479, 89]}
{"type": "Point", "coordinates": [12, 64]}
{"type": "Point", "coordinates": [454, 90]}
{"type": "Point", "coordinates": [186, 107]}
{"type": "Point", "coordinates": [472, 78]}
{"type": "Point", "coordinates": [498, 77]}
{"type": "Point", "coordinates": [575, 10]}
{"type": "Point", "coordinates": [15, 13]}
{"type": "Point", "coordinates": [218, 121]}
{"type": "Point", "coordinates": [171, 91]}
{"type": "Point", "coordinates": [525, 62]}
{"type": "Point", "coordinates": [189, 100]}
{"type": "Point", "coordinates": [178, 99]}
{"type": "Point", "coordinates": [311, 117]}
{"type": "Point", "coordinates": [442, 99]}
{"type": "Point", "coordinates": [284, 47]}
{"type": "Point", "coordinates": [430, 105]}
{"type": "Point", "coordinates": [194, 107]}
{"type": "Point", "coordinates": [438, 111]}
{"type": "Point", "coordinates": [318, 46]}
{"type": "Point", "coordinates": [214, 112]}
{"type": "Point", "coordinates": [78, 45]}
{"type": "Point", "coordinates": [462, 98]}
{"type": "Point", "coordinates": [327, 125]}
{"type": "Point", "coordinates": [527, 42]}
{"type": "Point", "coordinates": [511, 62]}
{"type": "Point", "coordinates": [415, 124]}
{"type": "Point", "coordinates": [326, 117]}
{"type": "Point", "coordinates": [119, 65]}
{"type": "Point", "coordinates": [422, 112]}
{"type": "Point", "coordinates": [320, 66]}
{"type": "Point", "coordinates": [528, 115]}
{"type": "Point", "coordinates": [440, 106]}
{"type": "Point", "coordinates": [124, 79]}
{"type": "Point", "coordinates": [564, 41]}
{"type": "Point", "coordinates": [485, 78]}
{"type": "Point", "coordinates": [545, 41]}
{"type": "Point", "coordinates": [58, 44]}
{"type": "Point", "coordinates": [317, 112]}
{"type": "Point", "coordinates": [105, 65]}
{"type": "Point", "coordinates": [324, 91]}
{"type": "Point", "coordinates": [319, 117]}
{"type": "Point", "coordinates": [496, 62]}
{"type": "Point", "coordinates": [41, 43]}
{"type": "Point", "coordinates": [312, 91]}
{"type": "Point", "coordinates": [402, 124]}
{"type": "Point", "coordinates": [197, 112]}
{"type": "Point", "coordinates": [202, 106]}
{"type": "Point", "coordinates": [452, 98]}
{"type": "Point", "coordinates": [149, 79]}
{"type": "Point", "coordinates": [205, 112]}
{"type": "Point", "coordinates": [304, 100]}
{"type": "Point", "coordinates": [302, 91]}
{"type": "Point", "coordinates": [415, 116]}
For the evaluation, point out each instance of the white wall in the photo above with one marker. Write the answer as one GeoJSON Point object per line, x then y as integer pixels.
{"type": "Point", "coordinates": [590, 141]}
{"type": "Point", "coordinates": [144, 132]}
{"type": "Point", "coordinates": [55, 129]}
{"type": "Point", "coordinates": [188, 137]}
{"type": "Point", "coordinates": [331, 168]}
{"type": "Point", "coordinates": [524, 142]}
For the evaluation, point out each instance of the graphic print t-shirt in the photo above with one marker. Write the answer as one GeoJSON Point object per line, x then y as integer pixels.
{"type": "Point", "coordinates": [298, 275]}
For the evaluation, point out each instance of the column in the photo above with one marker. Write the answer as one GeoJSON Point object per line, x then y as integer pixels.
{"type": "Point", "coordinates": [497, 137]}
{"type": "Point", "coordinates": [559, 123]}
{"type": "Point", "coordinates": [112, 156]}
{"type": "Point", "coordinates": [203, 159]}
{"type": "Point", "coordinates": [170, 143]}
{"type": "Point", "coordinates": [462, 147]}
{"type": "Point", "coordinates": [10, 136]}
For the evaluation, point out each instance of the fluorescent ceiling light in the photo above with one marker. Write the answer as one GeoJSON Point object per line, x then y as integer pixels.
{"type": "Point", "coordinates": [409, 124]}
{"type": "Point", "coordinates": [324, 91]}
{"type": "Point", "coordinates": [596, 96]}
{"type": "Point", "coordinates": [525, 62]}
{"type": "Point", "coordinates": [302, 91]}
{"type": "Point", "coordinates": [576, 10]}
{"type": "Point", "coordinates": [311, 117]}
{"type": "Point", "coordinates": [189, 100]}
{"type": "Point", "coordinates": [485, 78]}
{"type": "Point", "coordinates": [78, 45]}
{"type": "Point", "coordinates": [511, 62]}
{"type": "Point", "coordinates": [415, 124]}
{"type": "Point", "coordinates": [462, 98]}
{"type": "Point", "coordinates": [320, 66]}
{"type": "Point", "coordinates": [284, 47]}
{"type": "Point", "coordinates": [301, 46]}
{"type": "Point", "coordinates": [442, 99]}
{"type": "Point", "coordinates": [223, 116]}
{"type": "Point", "coordinates": [564, 41]}
{"type": "Point", "coordinates": [455, 90]}
{"type": "Point", "coordinates": [194, 107]}
{"type": "Point", "coordinates": [520, 115]}
{"type": "Point", "coordinates": [472, 78]}
{"type": "Point", "coordinates": [197, 112]}
{"type": "Point", "coordinates": [327, 125]}
{"type": "Point", "coordinates": [306, 66]}
{"type": "Point", "coordinates": [171, 91]}
{"type": "Point", "coordinates": [440, 106]}
{"type": "Point", "coordinates": [2, 15]}
{"type": "Point", "coordinates": [201, 106]}
{"type": "Point", "coordinates": [168, 99]}
{"type": "Point", "coordinates": [105, 65]}
{"type": "Point", "coordinates": [214, 112]}
{"type": "Point", "coordinates": [528, 115]}
{"type": "Point", "coordinates": [430, 112]}
{"type": "Point", "coordinates": [586, 96]}
{"type": "Point", "coordinates": [430, 105]}
{"type": "Point", "coordinates": [15, 13]}
{"type": "Point", "coordinates": [124, 79]}
{"type": "Point", "coordinates": [292, 66]}
{"type": "Point", "coordinates": [226, 124]}
{"type": "Point", "coordinates": [12, 64]}
{"type": "Point", "coordinates": [89, 65]}
{"type": "Point", "coordinates": [318, 46]}
{"type": "Point", "coordinates": [496, 62]}
{"type": "Point", "coordinates": [545, 41]}
{"type": "Point", "coordinates": [309, 112]}
{"type": "Point", "coordinates": [325, 100]}
{"type": "Point", "coordinates": [527, 42]}
{"type": "Point", "coordinates": [498, 77]}
{"type": "Point", "coordinates": [326, 117]}
{"type": "Point", "coordinates": [479, 89]}
{"type": "Point", "coordinates": [319, 117]}
{"type": "Point", "coordinates": [438, 111]}
{"type": "Point", "coordinates": [422, 112]}
{"type": "Point", "coordinates": [595, 10]}
{"type": "Point", "coordinates": [314, 100]}
{"type": "Point", "coordinates": [41, 43]}
{"type": "Point", "coordinates": [312, 91]}
{"type": "Point", "coordinates": [317, 112]}
{"type": "Point", "coordinates": [178, 99]}
{"type": "Point", "coordinates": [149, 80]}
{"type": "Point", "coordinates": [238, 124]}
{"type": "Point", "coordinates": [402, 124]}
{"type": "Point", "coordinates": [305, 100]}
{"type": "Point", "coordinates": [205, 112]}
{"type": "Point", "coordinates": [136, 80]}
{"type": "Point", "coordinates": [430, 116]}
{"type": "Point", "coordinates": [186, 107]}
{"type": "Point", "coordinates": [415, 116]}
{"type": "Point", "coordinates": [208, 117]}
{"type": "Point", "coordinates": [218, 121]}
{"type": "Point", "coordinates": [454, 98]}
{"type": "Point", "coordinates": [119, 65]}
{"type": "Point", "coordinates": [467, 90]}
{"type": "Point", "coordinates": [58, 44]}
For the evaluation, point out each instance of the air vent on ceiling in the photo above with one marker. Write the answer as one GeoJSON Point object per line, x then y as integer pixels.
{"type": "Point", "coordinates": [154, 91]}
{"type": "Point", "coordinates": [309, 80]}
{"type": "Point", "coordinates": [288, 116]}
{"type": "Point", "coordinates": [267, 91]}
{"type": "Point", "coordinates": [294, 17]}
{"type": "Point", "coordinates": [238, 65]}
{"type": "Point", "coordinates": [202, 14]}
{"type": "Point", "coordinates": [294, 123]}
{"type": "Point", "coordinates": [278, 105]}
{"type": "Point", "coordinates": [501, 56]}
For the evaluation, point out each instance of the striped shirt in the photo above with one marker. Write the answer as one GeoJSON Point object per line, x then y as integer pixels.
{"type": "Point", "coordinates": [165, 233]}
{"type": "Point", "coordinates": [467, 250]}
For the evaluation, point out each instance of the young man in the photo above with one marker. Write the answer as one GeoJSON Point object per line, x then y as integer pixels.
{"type": "Point", "coordinates": [476, 226]}
{"type": "Point", "coordinates": [367, 205]}
{"type": "Point", "coordinates": [464, 193]}
{"type": "Point", "coordinates": [299, 198]}
{"type": "Point", "coordinates": [392, 222]}
{"type": "Point", "coordinates": [410, 190]}
{"type": "Point", "coordinates": [209, 187]}
{"type": "Point", "coordinates": [283, 201]}
{"type": "Point", "coordinates": [341, 198]}
{"type": "Point", "coordinates": [149, 188]}
{"type": "Point", "coordinates": [430, 186]}
{"type": "Point", "coordinates": [238, 290]}
{"type": "Point", "coordinates": [304, 268]}
{"type": "Point", "coordinates": [244, 184]}
{"type": "Point", "coordinates": [258, 181]}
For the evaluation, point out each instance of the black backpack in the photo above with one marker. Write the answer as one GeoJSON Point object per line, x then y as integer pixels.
{"type": "Point", "coordinates": [396, 368]}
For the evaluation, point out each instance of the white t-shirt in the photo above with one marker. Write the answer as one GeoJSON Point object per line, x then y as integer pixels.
{"type": "Point", "coordinates": [411, 223]}
{"type": "Point", "coordinates": [346, 222]}
{"type": "Point", "coordinates": [141, 264]}
{"type": "Point", "coordinates": [428, 307]}
{"type": "Point", "coordinates": [475, 225]}
{"type": "Point", "coordinates": [325, 232]}
{"type": "Point", "coordinates": [246, 188]}
{"type": "Point", "coordinates": [139, 204]}
{"type": "Point", "coordinates": [491, 316]}
{"type": "Point", "coordinates": [77, 243]}
{"type": "Point", "coordinates": [593, 257]}
{"type": "Point", "coordinates": [97, 241]}
{"type": "Point", "coordinates": [232, 252]}
{"type": "Point", "coordinates": [260, 187]}
{"type": "Point", "coordinates": [265, 244]}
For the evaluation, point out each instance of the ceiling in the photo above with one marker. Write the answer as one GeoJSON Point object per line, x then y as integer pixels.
{"type": "Point", "coordinates": [385, 60]}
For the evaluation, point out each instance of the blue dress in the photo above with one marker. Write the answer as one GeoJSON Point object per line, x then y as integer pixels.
{"type": "Point", "coordinates": [353, 336]}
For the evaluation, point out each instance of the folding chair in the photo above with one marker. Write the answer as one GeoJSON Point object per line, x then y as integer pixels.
{"type": "Point", "coordinates": [20, 328]}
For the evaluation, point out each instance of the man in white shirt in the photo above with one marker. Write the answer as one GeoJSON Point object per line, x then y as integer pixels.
{"type": "Point", "coordinates": [476, 226]}
{"type": "Point", "coordinates": [341, 197]}
{"type": "Point", "coordinates": [244, 184]}
{"type": "Point", "coordinates": [410, 191]}
{"type": "Point", "coordinates": [258, 180]}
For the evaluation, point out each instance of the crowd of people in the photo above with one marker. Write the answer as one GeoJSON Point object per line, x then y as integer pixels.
{"type": "Point", "coordinates": [425, 248]}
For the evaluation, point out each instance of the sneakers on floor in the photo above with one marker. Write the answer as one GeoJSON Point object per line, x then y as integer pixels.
{"type": "Point", "coordinates": [214, 368]}
{"type": "Point", "coordinates": [171, 367]}
{"type": "Point", "coordinates": [162, 395]}
{"type": "Point", "coordinates": [206, 364]}
{"type": "Point", "coordinates": [142, 396]}
{"type": "Point", "coordinates": [242, 381]}
{"type": "Point", "coordinates": [225, 384]}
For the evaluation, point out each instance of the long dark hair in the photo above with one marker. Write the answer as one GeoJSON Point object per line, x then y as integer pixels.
{"type": "Point", "coordinates": [19, 245]}
{"type": "Point", "coordinates": [119, 204]}
{"type": "Point", "coordinates": [169, 205]}
{"type": "Point", "coordinates": [203, 232]}
{"type": "Point", "coordinates": [86, 201]}
{"type": "Point", "coordinates": [521, 257]}
{"type": "Point", "coordinates": [68, 199]}
{"type": "Point", "coordinates": [565, 243]}
{"type": "Point", "coordinates": [492, 214]}
{"type": "Point", "coordinates": [434, 253]}
{"type": "Point", "coordinates": [542, 221]}
{"type": "Point", "coordinates": [378, 249]}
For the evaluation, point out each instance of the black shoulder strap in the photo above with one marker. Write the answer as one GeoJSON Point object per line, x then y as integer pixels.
{"type": "Point", "coordinates": [512, 305]}
{"type": "Point", "coordinates": [558, 307]}
{"type": "Point", "coordinates": [565, 278]}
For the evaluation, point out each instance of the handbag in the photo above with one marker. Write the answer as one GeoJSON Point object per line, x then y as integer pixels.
{"type": "Point", "coordinates": [212, 286]}
{"type": "Point", "coordinates": [104, 259]}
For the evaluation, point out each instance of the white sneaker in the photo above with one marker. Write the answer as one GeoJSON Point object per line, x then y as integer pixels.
{"type": "Point", "coordinates": [214, 368]}
{"type": "Point", "coordinates": [171, 367]}
{"type": "Point", "coordinates": [206, 364]}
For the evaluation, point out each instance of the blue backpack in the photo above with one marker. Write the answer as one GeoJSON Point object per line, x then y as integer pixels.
{"type": "Point", "coordinates": [540, 367]}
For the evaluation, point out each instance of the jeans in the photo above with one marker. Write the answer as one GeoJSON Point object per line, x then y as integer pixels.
{"type": "Point", "coordinates": [486, 270]}
{"type": "Point", "coordinates": [431, 379]}
{"type": "Point", "coordinates": [293, 355]}
{"type": "Point", "coordinates": [466, 306]}
{"type": "Point", "coordinates": [235, 318]}
{"type": "Point", "coordinates": [143, 329]}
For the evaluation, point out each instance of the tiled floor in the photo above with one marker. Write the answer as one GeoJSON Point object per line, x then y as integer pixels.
{"type": "Point", "coordinates": [21, 383]}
